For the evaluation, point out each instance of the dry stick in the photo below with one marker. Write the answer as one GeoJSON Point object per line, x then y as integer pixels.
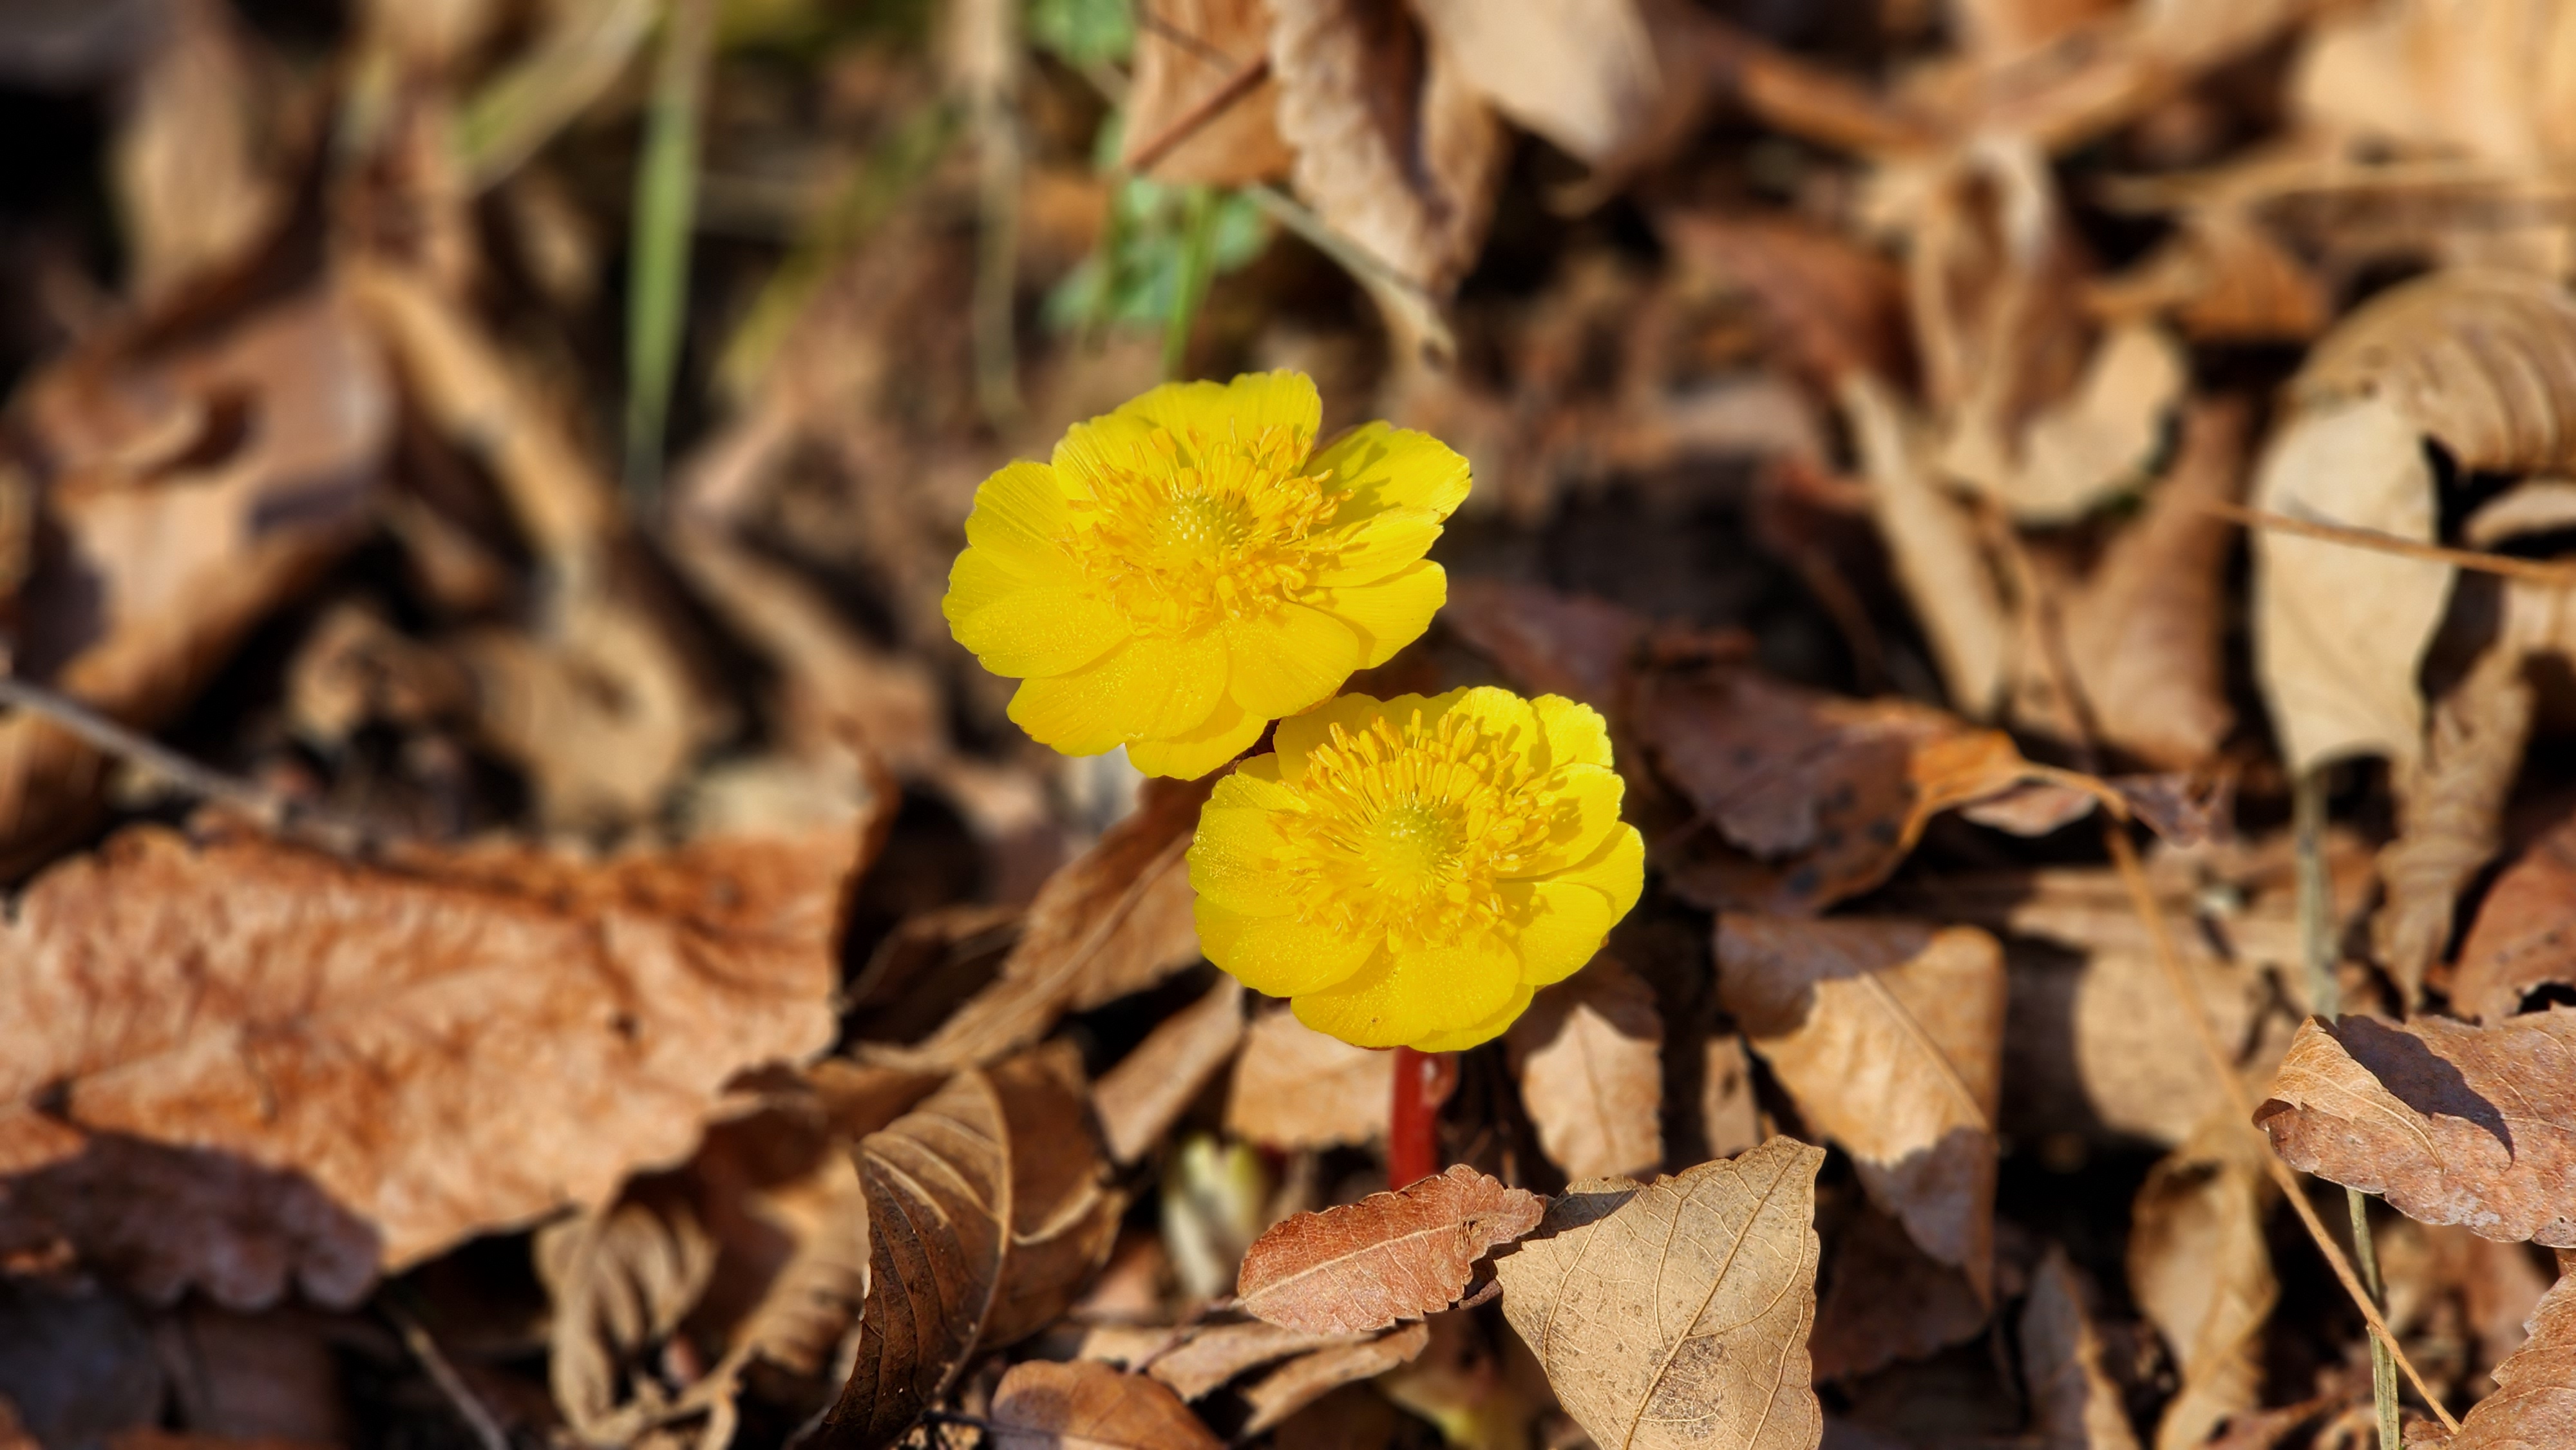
{"type": "Point", "coordinates": [2542, 571]}
{"type": "Point", "coordinates": [1245, 80]}
{"type": "Point", "coordinates": [468, 1405]}
{"type": "Point", "coordinates": [2124, 854]}
{"type": "Point", "coordinates": [110, 738]}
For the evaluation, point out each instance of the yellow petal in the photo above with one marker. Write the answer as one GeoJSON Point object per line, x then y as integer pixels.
{"type": "Point", "coordinates": [1234, 857]}
{"type": "Point", "coordinates": [1026, 629]}
{"type": "Point", "coordinates": [1617, 870]}
{"type": "Point", "coordinates": [1088, 451]}
{"type": "Point", "coordinates": [1375, 547]}
{"type": "Point", "coordinates": [1277, 955]}
{"type": "Point", "coordinates": [1582, 812]}
{"type": "Point", "coordinates": [1576, 733]}
{"type": "Point", "coordinates": [1387, 467]}
{"type": "Point", "coordinates": [1390, 613]}
{"type": "Point", "coordinates": [1144, 689]}
{"type": "Point", "coordinates": [1485, 1031]}
{"type": "Point", "coordinates": [1290, 661]}
{"type": "Point", "coordinates": [1500, 715]}
{"type": "Point", "coordinates": [1187, 756]}
{"type": "Point", "coordinates": [1563, 925]}
{"type": "Point", "coordinates": [1239, 409]}
{"type": "Point", "coordinates": [1399, 1000]}
{"type": "Point", "coordinates": [1301, 733]}
{"type": "Point", "coordinates": [1020, 513]}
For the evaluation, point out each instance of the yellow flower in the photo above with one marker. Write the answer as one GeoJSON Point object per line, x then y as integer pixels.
{"type": "Point", "coordinates": [1409, 871]}
{"type": "Point", "coordinates": [1188, 570]}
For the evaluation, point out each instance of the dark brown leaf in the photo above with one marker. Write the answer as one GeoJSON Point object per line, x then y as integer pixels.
{"type": "Point", "coordinates": [1390, 1256]}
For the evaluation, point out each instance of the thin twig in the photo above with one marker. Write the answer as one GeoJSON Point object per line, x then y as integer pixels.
{"type": "Point", "coordinates": [199, 780]}
{"type": "Point", "coordinates": [478, 1418]}
{"type": "Point", "coordinates": [1246, 79]}
{"type": "Point", "coordinates": [2124, 854]}
{"type": "Point", "coordinates": [993, 110]}
{"type": "Point", "coordinates": [1148, 19]}
{"type": "Point", "coordinates": [1372, 271]}
{"type": "Point", "coordinates": [2540, 571]}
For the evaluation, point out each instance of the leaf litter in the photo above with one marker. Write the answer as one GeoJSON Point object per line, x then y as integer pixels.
{"type": "Point", "coordinates": [494, 957]}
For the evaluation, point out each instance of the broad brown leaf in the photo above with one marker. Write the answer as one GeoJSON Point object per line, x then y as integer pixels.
{"type": "Point", "coordinates": [1886, 1300]}
{"type": "Point", "coordinates": [1890, 1036]}
{"type": "Point", "coordinates": [1082, 1406]}
{"type": "Point", "coordinates": [1295, 1087]}
{"type": "Point", "coordinates": [2453, 1124]}
{"type": "Point", "coordinates": [1676, 1314]}
{"type": "Point", "coordinates": [1550, 643]}
{"type": "Point", "coordinates": [2074, 1403]}
{"type": "Point", "coordinates": [1581, 73]}
{"type": "Point", "coordinates": [1932, 543]}
{"type": "Point", "coordinates": [2199, 1268]}
{"type": "Point", "coordinates": [387, 1059]}
{"type": "Point", "coordinates": [2524, 937]}
{"type": "Point", "coordinates": [1149, 1089]}
{"type": "Point", "coordinates": [1390, 1256]}
{"type": "Point", "coordinates": [1831, 306]}
{"type": "Point", "coordinates": [1182, 64]}
{"type": "Point", "coordinates": [2534, 1406]}
{"type": "Point", "coordinates": [1589, 1053]}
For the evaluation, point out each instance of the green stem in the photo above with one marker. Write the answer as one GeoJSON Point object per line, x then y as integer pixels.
{"type": "Point", "coordinates": [1198, 248]}
{"type": "Point", "coordinates": [657, 287]}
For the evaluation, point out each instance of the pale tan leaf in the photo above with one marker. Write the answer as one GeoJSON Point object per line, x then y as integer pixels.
{"type": "Point", "coordinates": [1934, 541]}
{"type": "Point", "coordinates": [1390, 1256]}
{"type": "Point", "coordinates": [2482, 362]}
{"type": "Point", "coordinates": [1080, 1406]}
{"type": "Point", "coordinates": [1589, 1053]}
{"type": "Point", "coordinates": [2488, 79]}
{"type": "Point", "coordinates": [1139, 1099]}
{"type": "Point", "coordinates": [2200, 1270]}
{"type": "Point", "coordinates": [1890, 1036]}
{"type": "Point", "coordinates": [1394, 147]}
{"type": "Point", "coordinates": [1197, 1360]}
{"type": "Point", "coordinates": [1113, 921]}
{"type": "Point", "coordinates": [619, 1282]}
{"type": "Point", "coordinates": [192, 182]}
{"type": "Point", "coordinates": [2534, 506]}
{"type": "Point", "coordinates": [2074, 1402]}
{"type": "Point", "coordinates": [1309, 1377]}
{"type": "Point", "coordinates": [2076, 451]}
{"type": "Point", "coordinates": [448, 1043]}
{"type": "Point", "coordinates": [1176, 81]}
{"type": "Point", "coordinates": [1994, 31]}
{"type": "Point", "coordinates": [2520, 941]}
{"type": "Point", "coordinates": [2534, 1405]}
{"type": "Point", "coordinates": [2452, 1124]}
{"type": "Point", "coordinates": [1581, 73]}
{"type": "Point", "coordinates": [1295, 1087]}
{"type": "Point", "coordinates": [1675, 1315]}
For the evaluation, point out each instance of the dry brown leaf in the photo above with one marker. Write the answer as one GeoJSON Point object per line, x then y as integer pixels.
{"type": "Point", "coordinates": [2452, 1124]}
{"type": "Point", "coordinates": [1675, 1314]}
{"type": "Point", "coordinates": [1113, 921]}
{"type": "Point", "coordinates": [2488, 80]}
{"type": "Point", "coordinates": [192, 180]}
{"type": "Point", "coordinates": [1582, 73]}
{"type": "Point", "coordinates": [1832, 307]}
{"type": "Point", "coordinates": [985, 1215]}
{"type": "Point", "coordinates": [2074, 1403]}
{"type": "Point", "coordinates": [168, 527]}
{"type": "Point", "coordinates": [2078, 450]}
{"type": "Point", "coordinates": [1080, 1406]}
{"type": "Point", "coordinates": [1550, 643]}
{"type": "Point", "coordinates": [1197, 1360]}
{"type": "Point", "coordinates": [2533, 506]}
{"type": "Point", "coordinates": [1729, 1116]}
{"type": "Point", "coordinates": [1884, 1301]}
{"type": "Point", "coordinates": [1295, 1087]}
{"type": "Point", "coordinates": [390, 1057]}
{"type": "Point", "coordinates": [1589, 1054]}
{"type": "Point", "coordinates": [618, 1283]}
{"type": "Point", "coordinates": [1138, 1100]}
{"type": "Point", "coordinates": [1933, 541]}
{"type": "Point", "coordinates": [1309, 1377]}
{"type": "Point", "coordinates": [1390, 1256]}
{"type": "Point", "coordinates": [1395, 149]}
{"type": "Point", "coordinates": [2199, 1269]}
{"type": "Point", "coordinates": [2524, 938]}
{"type": "Point", "coordinates": [2002, 30]}
{"type": "Point", "coordinates": [2534, 1405]}
{"type": "Point", "coordinates": [1176, 81]}
{"type": "Point", "coordinates": [2482, 362]}
{"type": "Point", "coordinates": [1890, 1036]}
{"type": "Point", "coordinates": [2222, 277]}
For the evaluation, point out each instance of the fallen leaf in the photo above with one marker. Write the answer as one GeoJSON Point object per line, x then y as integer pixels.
{"type": "Point", "coordinates": [1933, 541]}
{"type": "Point", "coordinates": [1885, 1300]}
{"type": "Point", "coordinates": [1394, 147]}
{"type": "Point", "coordinates": [1295, 1087]}
{"type": "Point", "coordinates": [1193, 58]}
{"type": "Point", "coordinates": [2076, 452]}
{"type": "Point", "coordinates": [1729, 1116]}
{"type": "Point", "coordinates": [2222, 277]}
{"type": "Point", "coordinates": [2074, 1403]}
{"type": "Point", "coordinates": [1589, 1055]}
{"type": "Point", "coordinates": [1675, 1314]}
{"type": "Point", "coordinates": [1833, 307]}
{"type": "Point", "coordinates": [2442, 77]}
{"type": "Point", "coordinates": [1114, 921]}
{"type": "Point", "coordinates": [2533, 506]}
{"type": "Point", "coordinates": [193, 184]}
{"type": "Point", "coordinates": [618, 1283]}
{"type": "Point", "coordinates": [1550, 643]}
{"type": "Point", "coordinates": [1309, 1377]}
{"type": "Point", "coordinates": [1138, 1100]}
{"type": "Point", "coordinates": [2199, 1269]}
{"type": "Point", "coordinates": [1889, 1034]}
{"type": "Point", "coordinates": [1080, 1406]}
{"type": "Point", "coordinates": [2535, 1400]}
{"type": "Point", "coordinates": [2524, 938]}
{"type": "Point", "coordinates": [2452, 1124]}
{"type": "Point", "coordinates": [390, 1058]}
{"type": "Point", "coordinates": [1390, 1256]}
{"type": "Point", "coordinates": [1581, 73]}
{"type": "Point", "coordinates": [1197, 1360]}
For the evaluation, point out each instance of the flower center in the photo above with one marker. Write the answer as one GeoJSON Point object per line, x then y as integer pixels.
{"type": "Point", "coordinates": [1189, 530]}
{"type": "Point", "coordinates": [1409, 829]}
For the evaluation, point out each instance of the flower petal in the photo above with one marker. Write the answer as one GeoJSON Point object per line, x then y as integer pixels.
{"type": "Point", "coordinates": [1563, 926]}
{"type": "Point", "coordinates": [1386, 467]}
{"type": "Point", "coordinates": [1234, 857]}
{"type": "Point", "coordinates": [1240, 409]}
{"type": "Point", "coordinates": [1020, 512]}
{"type": "Point", "coordinates": [1375, 547]}
{"type": "Point", "coordinates": [1617, 870]}
{"type": "Point", "coordinates": [1485, 1031]}
{"type": "Point", "coordinates": [1187, 756]}
{"type": "Point", "coordinates": [1390, 613]}
{"type": "Point", "coordinates": [1301, 733]}
{"type": "Point", "coordinates": [1576, 733]}
{"type": "Point", "coordinates": [1583, 811]}
{"type": "Point", "coordinates": [1145, 689]}
{"type": "Point", "coordinates": [1403, 999]}
{"type": "Point", "coordinates": [1018, 628]}
{"type": "Point", "coordinates": [1278, 955]}
{"type": "Point", "coordinates": [1290, 661]}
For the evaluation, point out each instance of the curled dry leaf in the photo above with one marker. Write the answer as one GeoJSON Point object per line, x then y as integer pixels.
{"type": "Point", "coordinates": [1311, 1376]}
{"type": "Point", "coordinates": [386, 1059]}
{"type": "Point", "coordinates": [2200, 1270]}
{"type": "Point", "coordinates": [2073, 1401]}
{"type": "Point", "coordinates": [1295, 1087]}
{"type": "Point", "coordinates": [986, 1213]}
{"type": "Point", "coordinates": [2525, 936]}
{"type": "Point", "coordinates": [1889, 1034]}
{"type": "Point", "coordinates": [1198, 1359]}
{"type": "Point", "coordinates": [1115, 920]}
{"type": "Point", "coordinates": [2080, 449]}
{"type": "Point", "coordinates": [2535, 1400]}
{"type": "Point", "coordinates": [2452, 1124]}
{"type": "Point", "coordinates": [1675, 1314]}
{"type": "Point", "coordinates": [618, 1283]}
{"type": "Point", "coordinates": [1581, 73]}
{"type": "Point", "coordinates": [1390, 1256]}
{"type": "Point", "coordinates": [1589, 1054]}
{"type": "Point", "coordinates": [1084, 1406]}
{"type": "Point", "coordinates": [1195, 59]}
{"type": "Point", "coordinates": [1395, 149]}
{"type": "Point", "coordinates": [1933, 540]}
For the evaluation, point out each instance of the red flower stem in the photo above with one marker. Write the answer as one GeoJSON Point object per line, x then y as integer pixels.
{"type": "Point", "coordinates": [1423, 1081]}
